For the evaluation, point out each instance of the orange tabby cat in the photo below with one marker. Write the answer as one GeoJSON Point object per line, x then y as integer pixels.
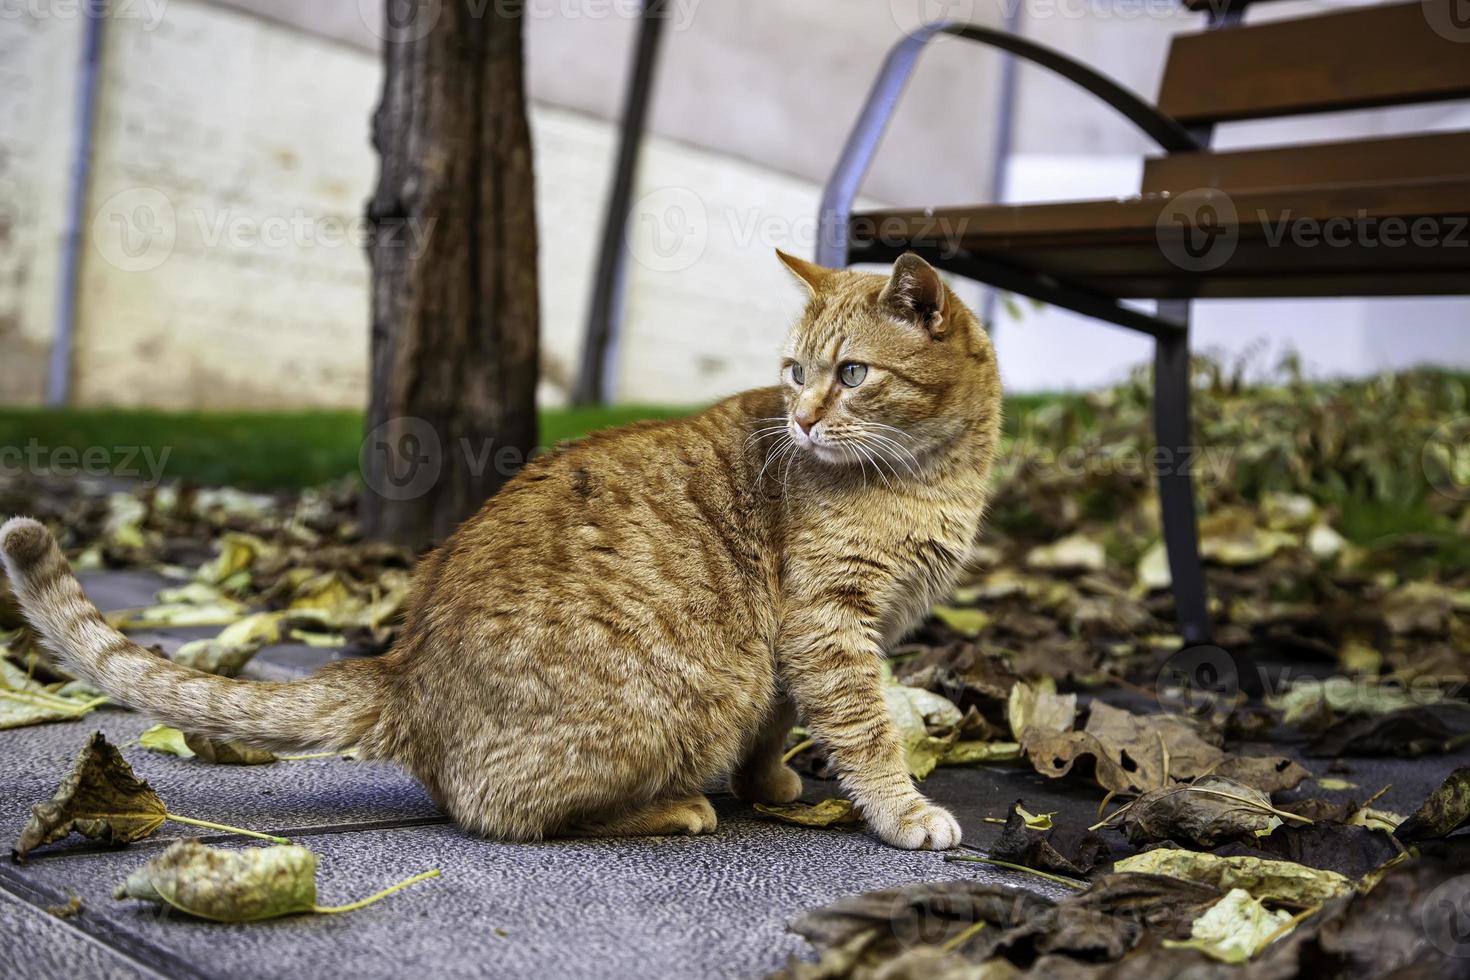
{"type": "Point", "coordinates": [652, 607]}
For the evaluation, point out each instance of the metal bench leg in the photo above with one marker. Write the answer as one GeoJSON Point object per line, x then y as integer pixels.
{"type": "Point", "coordinates": [1176, 460]}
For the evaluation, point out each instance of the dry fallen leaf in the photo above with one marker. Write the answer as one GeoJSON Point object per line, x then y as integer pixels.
{"type": "Point", "coordinates": [970, 622]}
{"type": "Point", "coordinates": [162, 738]}
{"type": "Point", "coordinates": [24, 701]}
{"type": "Point", "coordinates": [170, 741]}
{"type": "Point", "coordinates": [1133, 753]}
{"type": "Point", "coordinates": [827, 813]}
{"type": "Point", "coordinates": [1446, 810]}
{"type": "Point", "coordinates": [237, 886]}
{"type": "Point", "coordinates": [1235, 928]}
{"type": "Point", "coordinates": [229, 652]}
{"type": "Point", "coordinates": [1267, 880]}
{"type": "Point", "coordinates": [970, 752]}
{"type": "Point", "coordinates": [914, 712]}
{"type": "Point", "coordinates": [1038, 705]}
{"type": "Point", "coordinates": [1206, 812]}
{"type": "Point", "coordinates": [1033, 841]}
{"type": "Point", "coordinates": [102, 798]}
{"type": "Point", "coordinates": [228, 753]}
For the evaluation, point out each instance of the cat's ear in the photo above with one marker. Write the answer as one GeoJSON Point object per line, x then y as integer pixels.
{"type": "Point", "coordinates": [810, 274]}
{"type": "Point", "coordinates": [915, 294]}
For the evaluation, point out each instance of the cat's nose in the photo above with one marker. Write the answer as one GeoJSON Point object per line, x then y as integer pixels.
{"type": "Point", "coordinates": [805, 420]}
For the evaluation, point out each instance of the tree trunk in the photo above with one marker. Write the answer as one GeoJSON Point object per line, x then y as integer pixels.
{"type": "Point", "coordinates": [455, 348]}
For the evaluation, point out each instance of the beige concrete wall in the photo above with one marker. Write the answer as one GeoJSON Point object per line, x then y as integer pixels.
{"type": "Point", "coordinates": [222, 260]}
{"type": "Point", "coordinates": [223, 265]}
{"type": "Point", "coordinates": [774, 84]}
{"type": "Point", "coordinates": [38, 78]}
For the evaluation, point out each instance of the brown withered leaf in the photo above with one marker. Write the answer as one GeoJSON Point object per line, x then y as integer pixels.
{"type": "Point", "coordinates": [1071, 851]}
{"type": "Point", "coordinates": [24, 701]}
{"type": "Point", "coordinates": [1408, 733]}
{"type": "Point", "coordinates": [227, 753]}
{"type": "Point", "coordinates": [1039, 705]}
{"type": "Point", "coordinates": [1446, 810]}
{"type": "Point", "coordinates": [1411, 924]}
{"type": "Point", "coordinates": [1351, 850]}
{"type": "Point", "coordinates": [828, 813]}
{"type": "Point", "coordinates": [1205, 813]}
{"type": "Point", "coordinates": [1111, 918]}
{"type": "Point", "coordinates": [1131, 753]}
{"type": "Point", "coordinates": [100, 798]}
{"type": "Point", "coordinates": [863, 936]}
{"type": "Point", "coordinates": [68, 910]}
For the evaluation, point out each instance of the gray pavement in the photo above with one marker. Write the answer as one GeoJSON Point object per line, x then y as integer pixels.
{"type": "Point", "coordinates": [713, 906]}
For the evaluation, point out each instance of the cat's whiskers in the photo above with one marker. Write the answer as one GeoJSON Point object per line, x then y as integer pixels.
{"type": "Point", "coordinates": [786, 473]}
{"type": "Point", "coordinates": [763, 433]}
{"type": "Point", "coordinates": [890, 448]}
{"type": "Point", "coordinates": [868, 452]}
{"type": "Point", "coordinates": [879, 457]}
{"type": "Point", "coordinates": [784, 447]}
{"type": "Point", "coordinates": [853, 452]}
{"type": "Point", "coordinates": [893, 452]}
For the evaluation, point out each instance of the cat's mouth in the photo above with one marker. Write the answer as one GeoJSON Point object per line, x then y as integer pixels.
{"type": "Point", "coordinates": [817, 444]}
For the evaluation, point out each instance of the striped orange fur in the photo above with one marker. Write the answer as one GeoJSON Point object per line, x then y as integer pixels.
{"type": "Point", "coordinates": [649, 609]}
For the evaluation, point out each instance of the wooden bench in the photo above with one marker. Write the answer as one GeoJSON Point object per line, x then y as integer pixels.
{"type": "Point", "coordinates": [1363, 217]}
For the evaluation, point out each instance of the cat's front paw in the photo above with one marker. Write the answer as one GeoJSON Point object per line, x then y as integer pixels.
{"type": "Point", "coordinates": [917, 825]}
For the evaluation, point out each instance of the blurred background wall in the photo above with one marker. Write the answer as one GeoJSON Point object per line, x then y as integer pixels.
{"type": "Point", "coordinates": [220, 259]}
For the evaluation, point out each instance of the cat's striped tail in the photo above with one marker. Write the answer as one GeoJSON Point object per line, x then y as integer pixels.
{"type": "Point", "coordinates": [332, 709]}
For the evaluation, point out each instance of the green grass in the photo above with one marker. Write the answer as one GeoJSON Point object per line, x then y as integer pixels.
{"type": "Point", "coordinates": [289, 450]}
{"type": "Point", "coordinates": [255, 450]}
{"type": "Point", "coordinates": [271, 450]}
{"type": "Point", "coordinates": [262, 450]}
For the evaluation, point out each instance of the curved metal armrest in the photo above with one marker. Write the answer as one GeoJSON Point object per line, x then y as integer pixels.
{"type": "Point", "coordinates": [857, 155]}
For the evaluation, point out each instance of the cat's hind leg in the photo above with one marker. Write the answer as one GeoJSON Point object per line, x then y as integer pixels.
{"type": "Point", "coordinates": [684, 815]}
{"type": "Point", "coordinates": [763, 776]}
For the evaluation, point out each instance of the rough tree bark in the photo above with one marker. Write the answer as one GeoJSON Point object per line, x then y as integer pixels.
{"type": "Point", "coordinates": [455, 317]}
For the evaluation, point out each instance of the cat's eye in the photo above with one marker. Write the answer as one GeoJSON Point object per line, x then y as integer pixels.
{"type": "Point", "coordinates": [798, 375]}
{"type": "Point", "coordinates": [852, 375]}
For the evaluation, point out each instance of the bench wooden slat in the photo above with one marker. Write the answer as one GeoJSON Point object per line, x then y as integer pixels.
{"type": "Point", "coordinates": [1353, 59]}
{"type": "Point", "coordinates": [1113, 247]}
{"type": "Point", "coordinates": [1009, 225]}
{"type": "Point", "coordinates": [1419, 157]}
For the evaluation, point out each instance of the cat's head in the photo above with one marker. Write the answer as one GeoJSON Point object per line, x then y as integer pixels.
{"type": "Point", "coordinates": [885, 370]}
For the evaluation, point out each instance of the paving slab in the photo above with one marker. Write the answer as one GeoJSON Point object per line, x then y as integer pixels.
{"type": "Point", "coordinates": [39, 946]}
{"type": "Point", "coordinates": [713, 906]}
{"type": "Point", "coordinates": [318, 793]}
